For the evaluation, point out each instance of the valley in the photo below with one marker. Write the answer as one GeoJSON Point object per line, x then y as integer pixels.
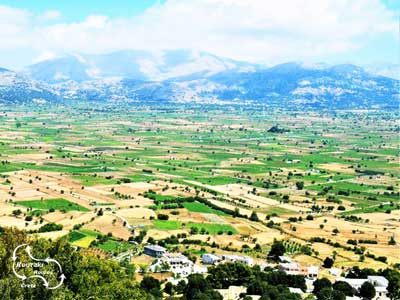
{"type": "Point", "coordinates": [227, 179]}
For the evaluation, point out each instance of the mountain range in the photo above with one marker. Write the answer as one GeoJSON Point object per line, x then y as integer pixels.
{"type": "Point", "coordinates": [191, 76]}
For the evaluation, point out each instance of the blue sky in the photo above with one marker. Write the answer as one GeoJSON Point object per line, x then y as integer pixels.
{"type": "Point", "coordinates": [76, 10]}
{"type": "Point", "coordinates": [265, 31]}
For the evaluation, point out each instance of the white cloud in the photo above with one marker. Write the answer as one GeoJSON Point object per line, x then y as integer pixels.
{"type": "Point", "coordinates": [15, 27]}
{"type": "Point", "coordinates": [50, 15]}
{"type": "Point", "coordinates": [257, 30]}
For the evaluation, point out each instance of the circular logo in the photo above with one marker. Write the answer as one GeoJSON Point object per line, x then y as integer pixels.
{"type": "Point", "coordinates": [27, 268]}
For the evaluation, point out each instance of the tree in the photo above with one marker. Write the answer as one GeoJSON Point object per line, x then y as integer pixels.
{"type": "Point", "coordinates": [180, 287]}
{"type": "Point", "coordinates": [87, 276]}
{"type": "Point", "coordinates": [299, 185]}
{"type": "Point", "coordinates": [50, 227]}
{"type": "Point", "coordinates": [393, 276]}
{"type": "Point", "coordinates": [254, 217]}
{"type": "Point", "coordinates": [320, 284]}
{"type": "Point", "coordinates": [16, 212]}
{"type": "Point", "coordinates": [367, 291]}
{"type": "Point", "coordinates": [286, 295]}
{"type": "Point", "coordinates": [236, 212]}
{"type": "Point", "coordinates": [224, 275]}
{"type": "Point", "coordinates": [151, 285]}
{"type": "Point", "coordinates": [169, 288]}
{"type": "Point", "coordinates": [329, 294]}
{"type": "Point", "coordinates": [309, 218]}
{"type": "Point", "coordinates": [162, 217]}
{"type": "Point", "coordinates": [344, 287]}
{"type": "Point", "coordinates": [199, 288]}
{"type": "Point", "coordinates": [328, 263]}
{"type": "Point", "coordinates": [277, 249]}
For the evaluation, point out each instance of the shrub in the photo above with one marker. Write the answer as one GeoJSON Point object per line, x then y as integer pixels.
{"type": "Point", "coordinates": [328, 263]}
{"type": "Point", "coordinates": [162, 217]}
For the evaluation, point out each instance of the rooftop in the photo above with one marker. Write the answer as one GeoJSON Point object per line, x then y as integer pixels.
{"type": "Point", "coordinates": [155, 248]}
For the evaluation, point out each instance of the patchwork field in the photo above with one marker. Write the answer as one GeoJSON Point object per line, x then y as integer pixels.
{"type": "Point", "coordinates": [229, 180]}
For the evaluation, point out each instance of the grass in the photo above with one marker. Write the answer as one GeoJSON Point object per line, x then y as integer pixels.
{"type": "Point", "coordinates": [57, 204]}
{"type": "Point", "coordinates": [278, 211]}
{"type": "Point", "coordinates": [372, 209]}
{"type": "Point", "coordinates": [75, 236]}
{"type": "Point", "coordinates": [114, 246]}
{"type": "Point", "coordinates": [167, 225]}
{"type": "Point", "coordinates": [202, 208]}
{"type": "Point", "coordinates": [88, 180]}
{"type": "Point", "coordinates": [84, 242]}
{"type": "Point", "coordinates": [219, 180]}
{"type": "Point", "coordinates": [82, 238]}
{"type": "Point", "coordinates": [213, 228]}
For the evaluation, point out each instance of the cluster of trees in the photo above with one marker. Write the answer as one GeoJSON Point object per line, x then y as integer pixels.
{"type": "Point", "coordinates": [269, 284]}
{"type": "Point", "coordinates": [325, 290]}
{"type": "Point", "coordinates": [392, 275]}
{"type": "Point", "coordinates": [87, 277]}
{"type": "Point", "coordinates": [50, 227]}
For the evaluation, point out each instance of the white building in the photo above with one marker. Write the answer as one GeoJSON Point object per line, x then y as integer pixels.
{"type": "Point", "coordinates": [176, 263]}
{"type": "Point", "coordinates": [379, 282]}
{"type": "Point", "coordinates": [334, 272]}
{"type": "Point", "coordinates": [240, 259]}
{"type": "Point", "coordinates": [210, 259]}
{"type": "Point", "coordinates": [310, 272]}
{"type": "Point", "coordinates": [154, 250]}
{"type": "Point", "coordinates": [285, 259]}
{"type": "Point", "coordinates": [290, 268]}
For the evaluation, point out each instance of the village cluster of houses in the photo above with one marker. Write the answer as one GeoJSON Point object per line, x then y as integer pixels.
{"type": "Point", "coordinates": [212, 259]}
{"type": "Point", "coordinates": [181, 267]}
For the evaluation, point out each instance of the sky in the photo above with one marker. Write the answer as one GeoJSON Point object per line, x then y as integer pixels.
{"type": "Point", "coordinates": [264, 31]}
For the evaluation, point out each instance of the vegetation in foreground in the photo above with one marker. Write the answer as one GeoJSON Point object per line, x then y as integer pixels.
{"type": "Point", "coordinates": [89, 277]}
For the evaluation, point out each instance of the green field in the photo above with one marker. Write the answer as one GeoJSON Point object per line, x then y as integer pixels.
{"type": "Point", "coordinates": [82, 238]}
{"type": "Point", "coordinates": [206, 168]}
{"type": "Point", "coordinates": [114, 246]}
{"type": "Point", "coordinates": [202, 208]}
{"type": "Point", "coordinates": [87, 180]}
{"type": "Point", "coordinates": [57, 204]}
{"type": "Point", "coordinates": [371, 209]}
{"type": "Point", "coordinates": [167, 225]}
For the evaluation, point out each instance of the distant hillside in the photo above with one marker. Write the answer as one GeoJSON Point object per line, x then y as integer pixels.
{"type": "Point", "coordinates": [132, 64]}
{"type": "Point", "coordinates": [185, 76]}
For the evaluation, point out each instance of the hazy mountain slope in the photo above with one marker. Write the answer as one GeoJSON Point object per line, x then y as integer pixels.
{"type": "Point", "coordinates": [342, 86]}
{"type": "Point", "coordinates": [17, 88]}
{"type": "Point", "coordinates": [197, 77]}
{"type": "Point", "coordinates": [132, 64]}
